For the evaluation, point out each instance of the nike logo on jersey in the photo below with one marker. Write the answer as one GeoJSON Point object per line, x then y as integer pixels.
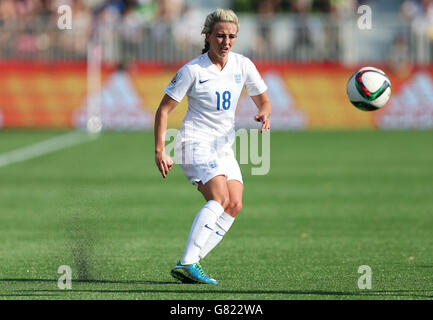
{"type": "Point", "coordinates": [221, 235]}
{"type": "Point", "coordinates": [206, 226]}
{"type": "Point", "coordinates": [203, 81]}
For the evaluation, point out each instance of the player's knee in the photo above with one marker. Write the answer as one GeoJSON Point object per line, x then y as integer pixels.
{"type": "Point", "coordinates": [226, 202]}
{"type": "Point", "coordinates": [223, 200]}
{"type": "Point", "coordinates": [234, 207]}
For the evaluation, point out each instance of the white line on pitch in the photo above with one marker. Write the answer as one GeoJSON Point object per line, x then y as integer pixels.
{"type": "Point", "coordinates": [44, 147]}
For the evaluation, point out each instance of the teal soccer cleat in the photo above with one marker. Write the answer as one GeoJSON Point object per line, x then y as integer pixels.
{"type": "Point", "coordinates": [191, 273]}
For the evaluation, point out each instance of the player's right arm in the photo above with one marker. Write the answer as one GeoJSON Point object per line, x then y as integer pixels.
{"type": "Point", "coordinates": [174, 93]}
{"type": "Point", "coordinates": [162, 160]}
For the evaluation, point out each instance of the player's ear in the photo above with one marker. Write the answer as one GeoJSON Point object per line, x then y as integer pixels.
{"type": "Point", "coordinates": [207, 36]}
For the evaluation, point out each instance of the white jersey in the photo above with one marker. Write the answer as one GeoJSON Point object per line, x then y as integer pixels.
{"type": "Point", "coordinates": [213, 95]}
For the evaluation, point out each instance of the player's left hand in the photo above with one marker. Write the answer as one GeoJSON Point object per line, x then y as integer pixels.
{"type": "Point", "coordinates": [266, 122]}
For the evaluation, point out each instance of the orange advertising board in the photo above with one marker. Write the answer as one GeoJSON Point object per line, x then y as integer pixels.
{"type": "Point", "coordinates": [313, 96]}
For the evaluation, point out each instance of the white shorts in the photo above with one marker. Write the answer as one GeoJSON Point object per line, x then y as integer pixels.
{"type": "Point", "coordinates": [200, 161]}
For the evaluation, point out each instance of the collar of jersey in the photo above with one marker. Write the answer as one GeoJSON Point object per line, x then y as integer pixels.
{"type": "Point", "coordinates": [214, 68]}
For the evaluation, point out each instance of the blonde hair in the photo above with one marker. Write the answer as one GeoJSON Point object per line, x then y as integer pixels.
{"type": "Point", "coordinates": [219, 15]}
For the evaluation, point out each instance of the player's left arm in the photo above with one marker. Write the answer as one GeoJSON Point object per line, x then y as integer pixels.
{"type": "Point", "coordinates": [264, 105]}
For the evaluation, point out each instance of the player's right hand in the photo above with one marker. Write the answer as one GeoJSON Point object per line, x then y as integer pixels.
{"type": "Point", "coordinates": [164, 163]}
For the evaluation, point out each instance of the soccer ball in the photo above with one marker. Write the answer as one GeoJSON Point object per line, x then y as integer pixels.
{"type": "Point", "coordinates": [369, 89]}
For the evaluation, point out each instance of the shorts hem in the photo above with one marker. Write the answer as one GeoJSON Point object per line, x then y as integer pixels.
{"type": "Point", "coordinates": [205, 180]}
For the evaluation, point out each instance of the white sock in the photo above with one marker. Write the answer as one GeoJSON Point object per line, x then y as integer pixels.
{"type": "Point", "coordinates": [202, 227]}
{"type": "Point", "coordinates": [222, 226]}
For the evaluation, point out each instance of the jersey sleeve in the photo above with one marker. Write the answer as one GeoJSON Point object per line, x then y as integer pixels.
{"type": "Point", "coordinates": [253, 81]}
{"type": "Point", "coordinates": [180, 84]}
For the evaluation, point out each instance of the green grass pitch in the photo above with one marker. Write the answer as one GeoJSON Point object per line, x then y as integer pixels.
{"type": "Point", "coordinates": [332, 201]}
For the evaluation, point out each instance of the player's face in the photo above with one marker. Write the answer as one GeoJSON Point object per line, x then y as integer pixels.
{"type": "Point", "coordinates": [222, 39]}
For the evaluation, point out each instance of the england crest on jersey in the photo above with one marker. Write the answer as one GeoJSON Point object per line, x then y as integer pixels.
{"type": "Point", "coordinates": [213, 164]}
{"type": "Point", "coordinates": [238, 78]}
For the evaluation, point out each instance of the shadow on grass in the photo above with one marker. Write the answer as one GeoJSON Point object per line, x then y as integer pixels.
{"type": "Point", "coordinates": [189, 288]}
{"type": "Point", "coordinates": [94, 281]}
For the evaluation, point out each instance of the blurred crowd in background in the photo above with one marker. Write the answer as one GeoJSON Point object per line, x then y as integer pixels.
{"type": "Point", "coordinates": [170, 29]}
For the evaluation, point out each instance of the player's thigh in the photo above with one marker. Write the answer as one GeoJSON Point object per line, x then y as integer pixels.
{"type": "Point", "coordinates": [216, 189]}
{"type": "Point", "coordinates": [235, 189]}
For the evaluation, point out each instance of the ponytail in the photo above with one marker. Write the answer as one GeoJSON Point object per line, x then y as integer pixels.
{"type": "Point", "coordinates": [206, 47]}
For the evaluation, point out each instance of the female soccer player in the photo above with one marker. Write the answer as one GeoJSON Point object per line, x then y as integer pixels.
{"type": "Point", "coordinates": [213, 83]}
